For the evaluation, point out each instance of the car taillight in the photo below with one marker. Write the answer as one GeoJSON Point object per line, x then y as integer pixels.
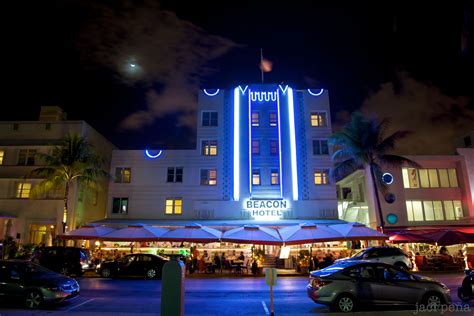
{"type": "Point", "coordinates": [318, 283]}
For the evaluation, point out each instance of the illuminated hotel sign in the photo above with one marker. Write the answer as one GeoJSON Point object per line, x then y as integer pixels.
{"type": "Point", "coordinates": [266, 209]}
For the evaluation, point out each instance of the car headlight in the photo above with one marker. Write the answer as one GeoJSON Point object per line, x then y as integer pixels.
{"type": "Point", "coordinates": [98, 266]}
{"type": "Point", "coordinates": [53, 288]}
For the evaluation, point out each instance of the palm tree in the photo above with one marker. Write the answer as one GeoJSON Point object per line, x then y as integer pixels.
{"type": "Point", "coordinates": [362, 143]}
{"type": "Point", "coordinates": [74, 161]}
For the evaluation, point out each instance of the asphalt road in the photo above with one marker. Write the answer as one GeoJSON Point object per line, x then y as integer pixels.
{"type": "Point", "coordinates": [207, 296]}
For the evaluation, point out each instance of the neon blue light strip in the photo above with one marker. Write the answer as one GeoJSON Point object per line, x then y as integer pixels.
{"type": "Point", "coordinates": [149, 155]}
{"type": "Point", "coordinates": [211, 94]}
{"type": "Point", "coordinates": [279, 145]}
{"type": "Point", "coordinates": [316, 94]}
{"type": "Point", "coordinates": [236, 144]}
{"type": "Point", "coordinates": [291, 117]}
{"type": "Point", "coordinates": [250, 143]}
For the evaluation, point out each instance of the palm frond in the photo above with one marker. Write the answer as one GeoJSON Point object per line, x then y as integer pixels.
{"type": "Point", "coordinates": [344, 168]}
{"type": "Point", "coordinates": [389, 142]}
{"type": "Point", "coordinates": [397, 161]}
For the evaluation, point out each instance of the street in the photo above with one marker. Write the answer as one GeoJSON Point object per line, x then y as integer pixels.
{"type": "Point", "coordinates": [207, 296]}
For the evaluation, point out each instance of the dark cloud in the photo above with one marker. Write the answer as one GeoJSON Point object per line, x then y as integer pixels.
{"type": "Point", "coordinates": [169, 55]}
{"type": "Point", "coordinates": [438, 120]}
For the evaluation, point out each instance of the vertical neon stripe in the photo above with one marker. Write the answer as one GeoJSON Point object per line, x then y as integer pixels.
{"type": "Point", "coordinates": [236, 144]}
{"type": "Point", "coordinates": [279, 144]}
{"type": "Point", "coordinates": [250, 143]}
{"type": "Point", "coordinates": [291, 118]}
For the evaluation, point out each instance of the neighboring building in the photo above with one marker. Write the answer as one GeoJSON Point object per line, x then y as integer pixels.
{"type": "Point", "coordinates": [262, 156]}
{"type": "Point", "coordinates": [439, 194]}
{"type": "Point", "coordinates": [38, 220]}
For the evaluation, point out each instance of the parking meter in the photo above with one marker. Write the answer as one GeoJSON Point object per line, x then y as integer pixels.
{"type": "Point", "coordinates": [172, 288]}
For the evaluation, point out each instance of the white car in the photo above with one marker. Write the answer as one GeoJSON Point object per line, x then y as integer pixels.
{"type": "Point", "coordinates": [389, 255]}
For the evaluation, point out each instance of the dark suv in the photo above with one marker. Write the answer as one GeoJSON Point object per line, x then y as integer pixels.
{"type": "Point", "coordinates": [65, 260]}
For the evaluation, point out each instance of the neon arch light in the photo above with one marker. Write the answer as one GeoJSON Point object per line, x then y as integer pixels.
{"type": "Point", "coordinates": [283, 89]}
{"type": "Point", "coordinates": [316, 94]}
{"type": "Point", "coordinates": [237, 143]}
{"type": "Point", "coordinates": [243, 90]}
{"type": "Point", "coordinates": [150, 155]}
{"type": "Point", "coordinates": [211, 94]}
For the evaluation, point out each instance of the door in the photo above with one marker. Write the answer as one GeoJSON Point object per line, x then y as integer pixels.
{"type": "Point", "coordinates": [362, 277]}
{"type": "Point", "coordinates": [10, 282]}
{"type": "Point", "coordinates": [396, 287]}
{"type": "Point", "coordinates": [126, 265]}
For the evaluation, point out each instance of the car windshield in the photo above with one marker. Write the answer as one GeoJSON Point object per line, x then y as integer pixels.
{"type": "Point", "coordinates": [33, 268]}
{"type": "Point", "coordinates": [359, 254]}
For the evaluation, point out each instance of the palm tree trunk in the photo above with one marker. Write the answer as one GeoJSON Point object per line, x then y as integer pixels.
{"type": "Point", "coordinates": [65, 214]}
{"type": "Point", "coordinates": [377, 199]}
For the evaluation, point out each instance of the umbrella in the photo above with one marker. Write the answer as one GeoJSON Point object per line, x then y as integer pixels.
{"type": "Point", "coordinates": [308, 233]}
{"type": "Point", "coordinates": [253, 234]}
{"type": "Point", "coordinates": [450, 237]}
{"type": "Point", "coordinates": [408, 237]}
{"type": "Point", "coordinates": [357, 231]}
{"type": "Point", "coordinates": [193, 233]}
{"type": "Point", "coordinates": [87, 232]}
{"type": "Point", "coordinates": [136, 233]}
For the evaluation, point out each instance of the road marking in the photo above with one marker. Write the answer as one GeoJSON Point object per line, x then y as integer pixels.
{"type": "Point", "coordinates": [70, 309]}
{"type": "Point", "coordinates": [265, 308]}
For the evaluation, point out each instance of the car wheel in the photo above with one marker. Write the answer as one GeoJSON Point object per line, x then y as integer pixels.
{"type": "Point", "coordinates": [345, 303]}
{"type": "Point", "coordinates": [433, 301]}
{"type": "Point", "coordinates": [64, 270]}
{"type": "Point", "coordinates": [151, 274]}
{"type": "Point", "coordinates": [33, 299]}
{"type": "Point", "coordinates": [401, 266]}
{"type": "Point", "coordinates": [106, 273]}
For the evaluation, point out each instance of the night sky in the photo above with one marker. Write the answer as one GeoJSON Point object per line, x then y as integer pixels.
{"type": "Point", "coordinates": [411, 63]}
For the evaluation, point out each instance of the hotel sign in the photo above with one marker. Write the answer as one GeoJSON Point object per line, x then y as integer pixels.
{"type": "Point", "coordinates": [266, 209]}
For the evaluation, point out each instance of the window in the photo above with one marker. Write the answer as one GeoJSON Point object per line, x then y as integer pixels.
{"type": "Point", "coordinates": [318, 119]}
{"type": "Point", "coordinates": [23, 190]}
{"type": "Point", "coordinates": [453, 179]}
{"type": "Point", "coordinates": [255, 119]}
{"type": "Point", "coordinates": [255, 147]}
{"type": "Point", "coordinates": [209, 118]}
{"type": "Point", "coordinates": [47, 126]}
{"type": "Point", "coordinates": [275, 177]}
{"type": "Point", "coordinates": [16, 126]}
{"type": "Point", "coordinates": [120, 205]}
{"type": "Point", "coordinates": [273, 147]}
{"type": "Point", "coordinates": [174, 206]}
{"type": "Point", "coordinates": [410, 178]}
{"type": "Point", "coordinates": [208, 176]}
{"type": "Point", "coordinates": [429, 178]}
{"type": "Point", "coordinates": [433, 175]}
{"type": "Point", "coordinates": [256, 177]}
{"type": "Point", "coordinates": [320, 147]}
{"type": "Point", "coordinates": [209, 147]}
{"type": "Point", "coordinates": [273, 119]}
{"type": "Point", "coordinates": [2, 154]}
{"type": "Point", "coordinates": [321, 177]}
{"type": "Point", "coordinates": [26, 157]}
{"type": "Point", "coordinates": [123, 175]}
{"type": "Point", "coordinates": [175, 174]}
{"type": "Point", "coordinates": [434, 210]}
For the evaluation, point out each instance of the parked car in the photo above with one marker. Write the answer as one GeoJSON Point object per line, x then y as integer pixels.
{"type": "Point", "coordinates": [34, 284]}
{"type": "Point", "coordinates": [389, 255]}
{"type": "Point", "coordinates": [141, 264]}
{"type": "Point", "coordinates": [65, 260]}
{"type": "Point", "coordinates": [351, 283]}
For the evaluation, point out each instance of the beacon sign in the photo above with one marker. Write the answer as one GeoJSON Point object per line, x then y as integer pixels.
{"type": "Point", "coordinates": [266, 209]}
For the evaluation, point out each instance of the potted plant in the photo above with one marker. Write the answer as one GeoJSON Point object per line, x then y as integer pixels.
{"type": "Point", "coordinates": [303, 261]}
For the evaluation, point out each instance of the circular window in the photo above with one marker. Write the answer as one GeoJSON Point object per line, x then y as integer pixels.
{"type": "Point", "coordinates": [387, 178]}
{"type": "Point", "coordinates": [390, 198]}
{"type": "Point", "coordinates": [392, 218]}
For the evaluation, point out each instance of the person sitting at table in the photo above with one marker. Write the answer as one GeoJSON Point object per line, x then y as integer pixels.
{"type": "Point", "coordinates": [241, 257]}
{"type": "Point", "coordinates": [223, 261]}
{"type": "Point", "coordinates": [444, 251]}
{"type": "Point", "coordinates": [216, 263]}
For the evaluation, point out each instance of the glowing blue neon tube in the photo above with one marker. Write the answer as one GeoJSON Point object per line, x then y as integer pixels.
{"type": "Point", "coordinates": [291, 118]}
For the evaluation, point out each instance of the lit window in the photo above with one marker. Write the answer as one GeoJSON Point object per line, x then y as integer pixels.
{"type": "Point", "coordinates": [424, 179]}
{"type": "Point", "coordinates": [458, 212]}
{"type": "Point", "coordinates": [209, 147]}
{"type": "Point", "coordinates": [174, 206]}
{"type": "Point", "coordinates": [443, 178]}
{"type": "Point", "coordinates": [23, 190]}
{"type": "Point", "coordinates": [26, 157]}
{"type": "Point", "coordinates": [209, 118]}
{"type": "Point", "coordinates": [273, 147]}
{"type": "Point", "coordinates": [434, 210]}
{"type": "Point", "coordinates": [255, 147]}
{"type": "Point", "coordinates": [438, 210]}
{"type": "Point", "coordinates": [320, 147]}
{"type": "Point", "coordinates": [417, 210]}
{"type": "Point", "coordinates": [321, 177]}
{"type": "Point", "coordinates": [273, 119]}
{"type": "Point", "coordinates": [120, 205]}
{"type": "Point", "coordinates": [175, 174]}
{"type": "Point", "coordinates": [255, 119]}
{"type": "Point", "coordinates": [453, 179]}
{"type": "Point", "coordinates": [123, 175]}
{"type": "Point", "coordinates": [2, 154]}
{"type": "Point", "coordinates": [433, 175]}
{"type": "Point", "coordinates": [275, 177]}
{"type": "Point", "coordinates": [429, 210]}
{"type": "Point", "coordinates": [208, 176]}
{"type": "Point", "coordinates": [410, 178]}
{"type": "Point", "coordinates": [256, 177]}
{"type": "Point", "coordinates": [449, 210]}
{"type": "Point", "coordinates": [318, 119]}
